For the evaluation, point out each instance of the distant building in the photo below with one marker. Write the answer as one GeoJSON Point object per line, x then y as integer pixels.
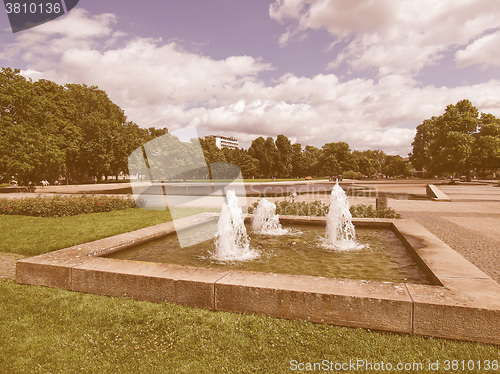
{"type": "Point", "coordinates": [224, 141]}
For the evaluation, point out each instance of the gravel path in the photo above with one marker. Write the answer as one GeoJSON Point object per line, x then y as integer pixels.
{"type": "Point", "coordinates": [470, 234]}
{"type": "Point", "coordinates": [8, 264]}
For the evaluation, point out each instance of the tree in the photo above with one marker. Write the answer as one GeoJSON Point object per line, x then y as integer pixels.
{"type": "Point", "coordinates": [444, 144]}
{"type": "Point", "coordinates": [284, 161]}
{"type": "Point", "coordinates": [312, 160]}
{"type": "Point", "coordinates": [100, 121]}
{"type": "Point", "coordinates": [48, 130]}
{"type": "Point", "coordinates": [129, 138]}
{"type": "Point", "coordinates": [369, 162]}
{"type": "Point", "coordinates": [395, 166]}
{"type": "Point", "coordinates": [337, 157]}
{"type": "Point", "coordinates": [211, 152]}
{"type": "Point", "coordinates": [297, 159]}
{"type": "Point", "coordinates": [421, 156]}
{"type": "Point", "coordinates": [258, 151]}
{"type": "Point", "coordinates": [248, 165]}
{"type": "Point", "coordinates": [486, 145]}
{"type": "Point", "coordinates": [36, 128]}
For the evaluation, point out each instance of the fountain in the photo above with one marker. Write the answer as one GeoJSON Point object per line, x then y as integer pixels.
{"type": "Point", "coordinates": [265, 220]}
{"type": "Point", "coordinates": [340, 233]}
{"type": "Point", "coordinates": [298, 247]}
{"type": "Point", "coordinates": [231, 239]}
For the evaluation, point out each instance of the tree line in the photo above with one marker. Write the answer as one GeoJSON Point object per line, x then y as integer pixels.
{"type": "Point", "coordinates": [267, 158]}
{"type": "Point", "coordinates": [48, 131]}
{"type": "Point", "coordinates": [74, 131]}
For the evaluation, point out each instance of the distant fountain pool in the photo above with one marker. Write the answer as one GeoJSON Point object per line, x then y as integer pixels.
{"type": "Point", "coordinates": [300, 251]}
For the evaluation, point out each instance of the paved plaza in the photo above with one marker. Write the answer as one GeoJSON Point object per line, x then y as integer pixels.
{"type": "Point", "coordinates": [469, 223]}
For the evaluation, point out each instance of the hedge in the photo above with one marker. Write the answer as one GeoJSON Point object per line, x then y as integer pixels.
{"type": "Point", "coordinates": [60, 206]}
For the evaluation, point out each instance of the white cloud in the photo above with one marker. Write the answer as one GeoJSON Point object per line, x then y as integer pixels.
{"type": "Point", "coordinates": [483, 51]}
{"type": "Point", "coordinates": [78, 24]}
{"type": "Point", "coordinates": [283, 9]}
{"type": "Point", "coordinates": [396, 37]}
{"type": "Point", "coordinates": [322, 109]}
{"type": "Point", "coordinates": [77, 30]}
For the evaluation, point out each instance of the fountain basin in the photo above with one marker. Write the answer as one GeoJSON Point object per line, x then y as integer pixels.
{"type": "Point", "coordinates": [463, 303]}
{"type": "Point", "coordinates": [300, 250]}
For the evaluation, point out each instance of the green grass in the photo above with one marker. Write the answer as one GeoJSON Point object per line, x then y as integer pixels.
{"type": "Point", "coordinates": [32, 236]}
{"type": "Point", "coordinates": [45, 330]}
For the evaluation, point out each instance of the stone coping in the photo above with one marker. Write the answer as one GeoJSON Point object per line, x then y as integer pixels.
{"type": "Point", "coordinates": [463, 303]}
{"type": "Point", "coordinates": [436, 194]}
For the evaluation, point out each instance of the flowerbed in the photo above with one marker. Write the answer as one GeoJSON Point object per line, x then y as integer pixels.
{"type": "Point", "coordinates": [60, 206]}
{"type": "Point", "coordinates": [318, 208]}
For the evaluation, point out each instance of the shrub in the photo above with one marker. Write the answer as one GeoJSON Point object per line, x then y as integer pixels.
{"type": "Point", "coordinates": [318, 208]}
{"type": "Point", "coordinates": [352, 175]}
{"type": "Point", "coordinates": [367, 211]}
{"type": "Point", "coordinates": [60, 206]}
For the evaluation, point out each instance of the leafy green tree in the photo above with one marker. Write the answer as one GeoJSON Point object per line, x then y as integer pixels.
{"type": "Point", "coordinates": [284, 161]}
{"type": "Point", "coordinates": [336, 158]}
{"type": "Point", "coordinates": [486, 146]}
{"type": "Point", "coordinates": [421, 156]}
{"type": "Point", "coordinates": [35, 128]}
{"type": "Point", "coordinates": [395, 166]}
{"type": "Point", "coordinates": [444, 144]}
{"type": "Point", "coordinates": [100, 121]}
{"type": "Point", "coordinates": [258, 151]}
{"type": "Point", "coordinates": [128, 138]}
{"type": "Point", "coordinates": [272, 157]}
{"type": "Point", "coordinates": [16, 146]}
{"type": "Point", "coordinates": [369, 162]}
{"type": "Point", "coordinates": [249, 166]}
{"type": "Point", "coordinates": [312, 160]}
{"type": "Point", "coordinates": [452, 147]}
{"type": "Point", "coordinates": [48, 131]}
{"type": "Point", "coordinates": [297, 160]}
{"type": "Point", "coordinates": [211, 152]}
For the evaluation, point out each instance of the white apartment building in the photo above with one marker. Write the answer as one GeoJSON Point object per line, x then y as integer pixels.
{"type": "Point", "coordinates": [224, 141]}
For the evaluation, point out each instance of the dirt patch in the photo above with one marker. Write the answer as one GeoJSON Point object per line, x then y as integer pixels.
{"type": "Point", "coordinates": [8, 264]}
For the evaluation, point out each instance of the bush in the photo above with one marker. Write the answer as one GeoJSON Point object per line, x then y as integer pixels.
{"type": "Point", "coordinates": [367, 211]}
{"type": "Point", "coordinates": [352, 175]}
{"type": "Point", "coordinates": [60, 206]}
{"type": "Point", "coordinates": [319, 209]}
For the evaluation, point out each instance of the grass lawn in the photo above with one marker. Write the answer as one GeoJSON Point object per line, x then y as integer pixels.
{"type": "Point", "coordinates": [32, 236]}
{"type": "Point", "coordinates": [44, 330]}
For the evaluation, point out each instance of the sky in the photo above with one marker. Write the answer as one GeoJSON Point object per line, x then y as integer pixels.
{"type": "Point", "coordinates": [366, 72]}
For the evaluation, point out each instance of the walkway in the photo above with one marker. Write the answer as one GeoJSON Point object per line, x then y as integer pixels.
{"type": "Point", "coordinates": [470, 223]}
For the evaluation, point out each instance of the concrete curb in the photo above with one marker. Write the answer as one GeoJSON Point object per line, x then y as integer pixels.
{"type": "Point", "coordinates": [436, 194]}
